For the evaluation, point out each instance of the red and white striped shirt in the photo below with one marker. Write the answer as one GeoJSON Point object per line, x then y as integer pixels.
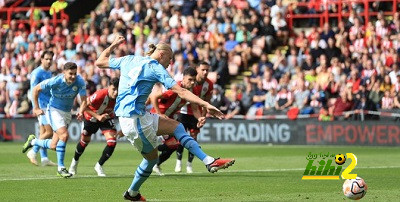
{"type": "Point", "coordinates": [359, 45]}
{"type": "Point", "coordinates": [387, 103]}
{"type": "Point", "coordinates": [355, 30]}
{"type": "Point", "coordinates": [386, 44]}
{"type": "Point", "coordinates": [100, 103]}
{"type": "Point", "coordinates": [381, 31]}
{"type": "Point", "coordinates": [202, 91]}
{"type": "Point", "coordinates": [367, 73]}
{"type": "Point", "coordinates": [169, 103]}
{"type": "Point", "coordinates": [268, 85]}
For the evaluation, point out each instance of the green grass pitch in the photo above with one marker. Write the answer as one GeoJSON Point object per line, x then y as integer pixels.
{"type": "Point", "coordinates": [261, 173]}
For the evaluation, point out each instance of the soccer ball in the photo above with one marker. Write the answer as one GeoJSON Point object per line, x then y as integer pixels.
{"type": "Point", "coordinates": [340, 159]}
{"type": "Point", "coordinates": [355, 188]}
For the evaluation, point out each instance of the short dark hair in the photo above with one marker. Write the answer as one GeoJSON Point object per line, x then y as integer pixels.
{"type": "Point", "coordinates": [70, 66]}
{"type": "Point", "coordinates": [202, 63]}
{"type": "Point", "coordinates": [114, 82]}
{"type": "Point", "coordinates": [190, 71]}
{"type": "Point", "coordinates": [47, 52]}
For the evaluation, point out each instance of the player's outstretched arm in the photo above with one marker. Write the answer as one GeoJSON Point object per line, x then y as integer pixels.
{"type": "Point", "coordinates": [82, 108]}
{"type": "Point", "coordinates": [102, 61]}
{"type": "Point", "coordinates": [189, 96]}
{"type": "Point", "coordinates": [198, 115]}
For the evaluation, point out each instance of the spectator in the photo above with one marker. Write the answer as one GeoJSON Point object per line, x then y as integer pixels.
{"type": "Point", "coordinates": [270, 100]}
{"type": "Point", "coordinates": [324, 115]}
{"type": "Point", "coordinates": [301, 95]}
{"type": "Point", "coordinates": [57, 6]}
{"type": "Point", "coordinates": [277, 9]}
{"type": "Point", "coordinates": [218, 99]}
{"type": "Point", "coordinates": [4, 98]}
{"type": "Point", "coordinates": [12, 87]}
{"type": "Point", "coordinates": [234, 106]}
{"type": "Point", "coordinates": [198, 30]}
{"type": "Point", "coordinates": [231, 43]}
{"type": "Point", "coordinates": [284, 99]}
{"type": "Point", "coordinates": [394, 73]}
{"type": "Point", "coordinates": [264, 63]}
{"type": "Point", "coordinates": [268, 81]}
{"type": "Point", "coordinates": [247, 95]}
{"type": "Point", "coordinates": [387, 101]}
{"type": "Point", "coordinates": [327, 33]}
{"type": "Point", "coordinates": [386, 84]}
{"type": "Point", "coordinates": [258, 101]}
{"type": "Point", "coordinates": [354, 81]}
{"type": "Point", "coordinates": [342, 104]}
{"type": "Point", "coordinates": [37, 13]}
{"type": "Point", "coordinates": [268, 30]}
{"type": "Point", "coordinates": [18, 105]}
{"type": "Point", "coordinates": [364, 104]}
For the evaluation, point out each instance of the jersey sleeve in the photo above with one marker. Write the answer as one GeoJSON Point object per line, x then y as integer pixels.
{"type": "Point", "coordinates": [34, 80]}
{"type": "Point", "coordinates": [82, 87]}
{"type": "Point", "coordinates": [163, 77]}
{"type": "Point", "coordinates": [167, 94]}
{"type": "Point", "coordinates": [96, 99]}
{"type": "Point", "coordinates": [210, 89]}
{"type": "Point", "coordinates": [48, 83]}
{"type": "Point", "coordinates": [115, 63]}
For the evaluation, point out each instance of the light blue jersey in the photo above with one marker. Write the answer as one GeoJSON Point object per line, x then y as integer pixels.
{"type": "Point", "coordinates": [62, 94]}
{"type": "Point", "coordinates": [138, 76]}
{"type": "Point", "coordinates": [38, 75]}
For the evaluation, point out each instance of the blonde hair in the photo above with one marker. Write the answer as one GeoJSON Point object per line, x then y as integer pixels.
{"type": "Point", "coordinates": [160, 46]}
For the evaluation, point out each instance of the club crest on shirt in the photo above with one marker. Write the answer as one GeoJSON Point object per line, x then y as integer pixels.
{"type": "Point", "coordinates": [204, 89]}
{"type": "Point", "coordinates": [74, 88]}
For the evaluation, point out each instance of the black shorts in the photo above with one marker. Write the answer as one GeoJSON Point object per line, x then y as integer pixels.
{"type": "Point", "coordinates": [188, 121]}
{"type": "Point", "coordinates": [93, 127]}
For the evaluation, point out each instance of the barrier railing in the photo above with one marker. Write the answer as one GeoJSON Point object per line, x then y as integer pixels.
{"type": "Point", "coordinates": [324, 15]}
{"type": "Point", "coordinates": [271, 116]}
{"type": "Point", "coordinates": [307, 116]}
{"type": "Point", "coordinates": [56, 17]}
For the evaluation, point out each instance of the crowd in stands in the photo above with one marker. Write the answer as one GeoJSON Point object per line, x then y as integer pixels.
{"type": "Point", "coordinates": [326, 70]}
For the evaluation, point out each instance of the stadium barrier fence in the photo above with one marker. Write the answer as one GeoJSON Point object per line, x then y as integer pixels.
{"type": "Point", "coordinates": [302, 131]}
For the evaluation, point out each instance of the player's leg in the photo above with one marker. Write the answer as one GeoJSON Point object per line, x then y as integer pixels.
{"type": "Point", "coordinates": [88, 129]}
{"type": "Point", "coordinates": [184, 119]}
{"type": "Point", "coordinates": [35, 149]}
{"type": "Point", "coordinates": [170, 145]}
{"type": "Point", "coordinates": [110, 133]}
{"type": "Point", "coordinates": [193, 134]}
{"type": "Point", "coordinates": [166, 152]}
{"type": "Point", "coordinates": [179, 155]}
{"type": "Point", "coordinates": [141, 132]}
{"type": "Point", "coordinates": [47, 134]}
{"type": "Point", "coordinates": [172, 127]}
{"type": "Point", "coordinates": [142, 173]}
{"type": "Point", "coordinates": [59, 121]}
{"type": "Point", "coordinates": [63, 135]}
{"type": "Point", "coordinates": [40, 143]}
{"type": "Point", "coordinates": [56, 121]}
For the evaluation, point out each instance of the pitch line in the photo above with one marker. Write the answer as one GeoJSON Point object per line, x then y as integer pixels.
{"type": "Point", "coordinates": [182, 173]}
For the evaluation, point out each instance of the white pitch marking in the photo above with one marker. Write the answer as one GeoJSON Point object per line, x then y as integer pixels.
{"type": "Point", "coordinates": [228, 171]}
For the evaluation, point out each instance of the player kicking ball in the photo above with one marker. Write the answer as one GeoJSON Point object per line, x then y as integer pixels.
{"type": "Point", "coordinates": [98, 115]}
{"type": "Point", "coordinates": [138, 76]}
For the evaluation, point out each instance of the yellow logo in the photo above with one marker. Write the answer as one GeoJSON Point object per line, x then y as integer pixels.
{"type": "Point", "coordinates": [325, 170]}
{"type": "Point", "coordinates": [340, 159]}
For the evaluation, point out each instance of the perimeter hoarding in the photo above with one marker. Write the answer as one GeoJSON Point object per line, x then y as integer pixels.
{"type": "Point", "coordinates": [298, 132]}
